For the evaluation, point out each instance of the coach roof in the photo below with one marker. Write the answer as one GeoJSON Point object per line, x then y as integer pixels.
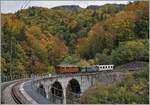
{"type": "Point", "coordinates": [66, 65]}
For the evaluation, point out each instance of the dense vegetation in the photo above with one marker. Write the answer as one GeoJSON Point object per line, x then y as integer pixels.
{"type": "Point", "coordinates": [36, 39]}
{"type": "Point", "coordinates": [132, 90]}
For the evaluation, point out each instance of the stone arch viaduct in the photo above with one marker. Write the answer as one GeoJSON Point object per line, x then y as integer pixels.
{"type": "Point", "coordinates": [67, 88]}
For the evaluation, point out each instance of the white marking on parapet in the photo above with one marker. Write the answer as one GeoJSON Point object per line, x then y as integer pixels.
{"type": "Point", "coordinates": [25, 94]}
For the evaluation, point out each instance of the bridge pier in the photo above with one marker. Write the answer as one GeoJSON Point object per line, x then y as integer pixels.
{"type": "Point", "coordinates": [64, 95]}
{"type": "Point", "coordinates": [47, 92]}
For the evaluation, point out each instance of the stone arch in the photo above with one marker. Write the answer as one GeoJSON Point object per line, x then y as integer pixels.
{"type": "Point", "coordinates": [56, 93]}
{"type": "Point", "coordinates": [74, 86]}
{"type": "Point", "coordinates": [73, 91]}
{"type": "Point", "coordinates": [41, 90]}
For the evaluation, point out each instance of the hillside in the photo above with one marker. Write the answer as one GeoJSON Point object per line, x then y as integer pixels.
{"type": "Point", "coordinates": [36, 39]}
{"type": "Point", "coordinates": [133, 88]}
{"type": "Point", "coordinates": [94, 7]}
{"type": "Point", "coordinates": [68, 7]}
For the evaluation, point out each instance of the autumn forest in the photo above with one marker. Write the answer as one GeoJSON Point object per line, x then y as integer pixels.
{"type": "Point", "coordinates": [36, 39]}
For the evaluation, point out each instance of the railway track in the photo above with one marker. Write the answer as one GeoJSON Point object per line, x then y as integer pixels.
{"type": "Point", "coordinates": [14, 95]}
{"type": "Point", "coordinates": [11, 94]}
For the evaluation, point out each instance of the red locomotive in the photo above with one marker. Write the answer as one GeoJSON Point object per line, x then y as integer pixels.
{"type": "Point", "coordinates": [60, 69]}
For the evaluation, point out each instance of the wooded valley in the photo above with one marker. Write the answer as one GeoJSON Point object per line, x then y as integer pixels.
{"type": "Point", "coordinates": [36, 39]}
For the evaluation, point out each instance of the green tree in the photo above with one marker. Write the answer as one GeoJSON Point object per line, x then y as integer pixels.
{"type": "Point", "coordinates": [133, 89]}
{"type": "Point", "coordinates": [130, 51]}
{"type": "Point", "coordinates": [102, 59]}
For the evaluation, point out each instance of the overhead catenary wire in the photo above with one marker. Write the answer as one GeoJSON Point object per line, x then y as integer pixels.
{"type": "Point", "coordinates": [25, 4]}
{"type": "Point", "coordinates": [12, 43]}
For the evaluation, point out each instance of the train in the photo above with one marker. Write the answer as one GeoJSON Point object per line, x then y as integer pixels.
{"type": "Point", "coordinates": [61, 69]}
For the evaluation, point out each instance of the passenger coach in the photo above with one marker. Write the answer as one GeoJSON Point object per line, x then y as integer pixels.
{"type": "Point", "coordinates": [104, 67]}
